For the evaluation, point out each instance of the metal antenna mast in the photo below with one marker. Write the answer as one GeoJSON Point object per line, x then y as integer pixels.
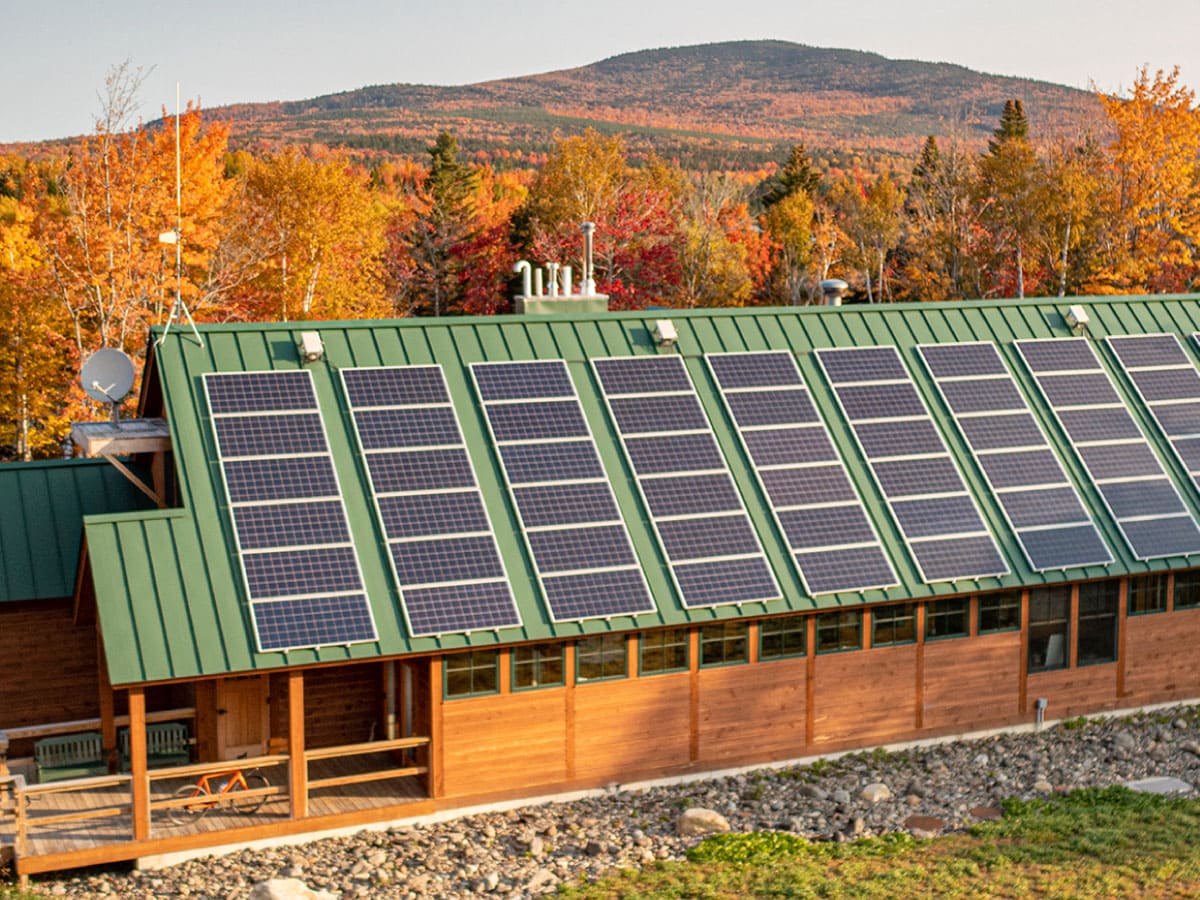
{"type": "Point", "coordinates": [176, 237]}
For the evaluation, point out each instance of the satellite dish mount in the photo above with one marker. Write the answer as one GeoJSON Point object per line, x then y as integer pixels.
{"type": "Point", "coordinates": [107, 377]}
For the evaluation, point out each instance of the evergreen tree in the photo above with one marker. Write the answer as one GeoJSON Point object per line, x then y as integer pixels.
{"type": "Point", "coordinates": [1013, 126]}
{"type": "Point", "coordinates": [797, 174]}
{"type": "Point", "coordinates": [445, 220]}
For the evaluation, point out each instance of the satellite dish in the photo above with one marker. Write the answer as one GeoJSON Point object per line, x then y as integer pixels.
{"type": "Point", "coordinates": [107, 376]}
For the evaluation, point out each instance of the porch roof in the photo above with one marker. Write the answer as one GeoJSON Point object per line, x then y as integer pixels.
{"type": "Point", "coordinates": [171, 599]}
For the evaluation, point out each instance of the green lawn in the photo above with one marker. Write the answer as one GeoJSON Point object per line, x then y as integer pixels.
{"type": "Point", "coordinates": [1090, 843]}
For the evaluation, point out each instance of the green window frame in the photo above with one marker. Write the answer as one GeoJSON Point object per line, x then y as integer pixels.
{"type": "Point", "coordinates": [1147, 594]}
{"type": "Point", "coordinates": [724, 644]}
{"type": "Point", "coordinates": [894, 625]}
{"type": "Point", "coordinates": [1187, 589]}
{"type": "Point", "coordinates": [1000, 612]}
{"type": "Point", "coordinates": [783, 638]}
{"type": "Point", "coordinates": [945, 619]}
{"type": "Point", "coordinates": [475, 673]}
{"type": "Point", "coordinates": [660, 652]}
{"type": "Point", "coordinates": [1096, 635]}
{"type": "Point", "coordinates": [601, 657]}
{"type": "Point", "coordinates": [839, 631]}
{"type": "Point", "coordinates": [537, 666]}
{"type": "Point", "coordinates": [1049, 627]}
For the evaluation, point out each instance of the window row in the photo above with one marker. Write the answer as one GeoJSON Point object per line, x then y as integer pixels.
{"type": "Point", "coordinates": [727, 643]}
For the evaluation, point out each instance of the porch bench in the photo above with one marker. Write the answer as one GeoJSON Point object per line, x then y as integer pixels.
{"type": "Point", "coordinates": [167, 744]}
{"type": "Point", "coordinates": [70, 756]}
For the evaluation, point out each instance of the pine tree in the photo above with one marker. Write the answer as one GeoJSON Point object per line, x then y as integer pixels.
{"type": "Point", "coordinates": [445, 220]}
{"type": "Point", "coordinates": [797, 174]}
{"type": "Point", "coordinates": [1013, 126]}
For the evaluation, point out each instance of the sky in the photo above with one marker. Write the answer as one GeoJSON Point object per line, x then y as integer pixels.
{"type": "Point", "coordinates": [57, 53]}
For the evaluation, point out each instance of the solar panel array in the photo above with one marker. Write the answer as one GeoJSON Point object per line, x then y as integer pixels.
{"type": "Point", "coordinates": [1169, 385]}
{"type": "Point", "coordinates": [1119, 459]}
{"type": "Point", "coordinates": [834, 544]}
{"type": "Point", "coordinates": [711, 546]}
{"type": "Point", "coordinates": [577, 538]}
{"type": "Point", "coordinates": [1026, 477]}
{"type": "Point", "coordinates": [439, 537]}
{"type": "Point", "coordinates": [298, 560]}
{"type": "Point", "coordinates": [911, 464]}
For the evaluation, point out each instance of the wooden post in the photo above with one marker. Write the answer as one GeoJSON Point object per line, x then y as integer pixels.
{"type": "Point", "coordinates": [1122, 632]}
{"type": "Point", "coordinates": [437, 773]}
{"type": "Point", "coordinates": [569, 710]}
{"type": "Point", "coordinates": [919, 626]}
{"type": "Point", "coordinates": [140, 792]}
{"type": "Point", "coordinates": [693, 695]}
{"type": "Point", "coordinates": [108, 723]}
{"type": "Point", "coordinates": [810, 679]}
{"type": "Point", "coordinates": [297, 763]}
{"type": "Point", "coordinates": [3, 754]}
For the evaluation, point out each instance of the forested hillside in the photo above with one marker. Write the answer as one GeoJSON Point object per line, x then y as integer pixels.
{"type": "Point", "coordinates": [737, 105]}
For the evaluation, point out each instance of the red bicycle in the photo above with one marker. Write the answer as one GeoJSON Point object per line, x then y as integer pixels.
{"type": "Point", "coordinates": [219, 789]}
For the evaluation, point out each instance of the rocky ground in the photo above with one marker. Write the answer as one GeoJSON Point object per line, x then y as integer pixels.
{"type": "Point", "coordinates": [530, 851]}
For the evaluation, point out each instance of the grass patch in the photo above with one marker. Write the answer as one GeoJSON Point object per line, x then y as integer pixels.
{"type": "Point", "coordinates": [1108, 842]}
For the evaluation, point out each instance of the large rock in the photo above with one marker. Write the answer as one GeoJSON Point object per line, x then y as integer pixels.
{"type": "Point", "coordinates": [287, 889]}
{"type": "Point", "coordinates": [874, 793]}
{"type": "Point", "coordinates": [700, 821]}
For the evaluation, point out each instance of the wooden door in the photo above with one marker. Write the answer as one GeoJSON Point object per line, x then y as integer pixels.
{"type": "Point", "coordinates": [243, 720]}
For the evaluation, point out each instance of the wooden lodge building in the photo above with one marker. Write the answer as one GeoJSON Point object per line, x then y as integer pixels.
{"type": "Point", "coordinates": [412, 566]}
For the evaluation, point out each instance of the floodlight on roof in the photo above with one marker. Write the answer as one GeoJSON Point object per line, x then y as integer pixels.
{"type": "Point", "coordinates": [664, 333]}
{"type": "Point", "coordinates": [310, 346]}
{"type": "Point", "coordinates": [1077, 318]}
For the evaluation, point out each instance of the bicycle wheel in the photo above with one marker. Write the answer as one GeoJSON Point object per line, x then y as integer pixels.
{"type": "Point", "coordinates": [254, 781]}
{"type": "Point", "coordinates": [189, 812]}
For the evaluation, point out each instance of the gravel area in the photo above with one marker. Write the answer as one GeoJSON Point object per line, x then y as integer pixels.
{"type": "Point", "coordinates": [530, 851]}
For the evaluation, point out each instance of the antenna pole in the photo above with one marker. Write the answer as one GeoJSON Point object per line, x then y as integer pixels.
{"type": "Point", "coordinates": [178, 306]}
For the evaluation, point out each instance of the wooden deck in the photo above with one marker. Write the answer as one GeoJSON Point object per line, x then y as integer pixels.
{"type": "Point", "coordinates": [107, 838]}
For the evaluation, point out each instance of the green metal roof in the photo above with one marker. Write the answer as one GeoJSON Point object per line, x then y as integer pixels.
{"type": "Point", "coordinates": [40, 528]}
{"type": "Point", "coordinates": [169, 591]}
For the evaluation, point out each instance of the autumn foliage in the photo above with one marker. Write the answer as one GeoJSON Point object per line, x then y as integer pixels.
{"type": "Point", "coordinates": [303, 232]}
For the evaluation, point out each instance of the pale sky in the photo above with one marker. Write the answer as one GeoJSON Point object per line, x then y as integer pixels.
{"type": "Point", "coordinates": [56, 53]}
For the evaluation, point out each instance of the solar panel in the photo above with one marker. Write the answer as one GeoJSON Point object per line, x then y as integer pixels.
{"type": "Point", "coordinates": [881, 402]}
{"type": "Point", "coordinates": [1114, 452]}
{"type": "Point", "coordinates": [1016, 458]}
{"type": "Point", "coordinates": [1164, 377]}
{"type": "Point", "coordinates": [714, 554]}
{"type": "Point", "coordinates": [833, 544]}
{"type": "Point", "coordinates": [297, 557]}
{"type": "Point", "coordinates": [580, 546]}
{"type": "Point", "coordinates": [440, 542]}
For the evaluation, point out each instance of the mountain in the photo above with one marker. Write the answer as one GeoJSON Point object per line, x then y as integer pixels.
{"type": "Point", "coordinates": [735, 104]}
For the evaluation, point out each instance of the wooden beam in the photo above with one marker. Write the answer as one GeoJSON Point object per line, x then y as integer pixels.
{"type": "Point", "coordinates": [437, 731]}
{"type": "Point", "coordinates": [693, 694]}
{"type": "Point", "coordinates": [919, 625]}
{"type": "Point", "coordinates": [108, 719]}
{"type": "Point", "coordinates": [297, 761]}
{"type": "Point", "coordinates": [569, 710]}
{"type": "Point", "coordinates": [810, 679]}
{"type": "Point", "coordinates": [137, 482]}
{"type": "Point", "coordinates": [126, 438]}
{"type": "Point", "coordinates": [140, 781]}
{"type": "Point", "coordinates": [1122, 613]}
{"type": "Point", "coordinates": [1023, 677]}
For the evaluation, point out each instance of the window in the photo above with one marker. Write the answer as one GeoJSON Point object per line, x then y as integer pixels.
{"type": "Point", "coordinates": [1147, 594]}
{"type": "Point", "coordinates": [840, 630]}
{"type": "Point", "coordinates": [1098, 622]}
{"type": "Point", "coordinates": [664, 651]}
{"type": "Point", "coordinates": [893, 625]}
{"type": "Point", "coordinates": [1187, 589]}
{"type": "Point", "coordinates": [780, 638]}
{"type": "Point", "coordinates": [537, 666]}
{"type": "Point", "coordinates": [1049, 621]}
{"type": "Point", "coordinates": [472, 674]}
{"type": "Point", "coordinates": [1000, 612]}
{"type": "Point", "coordinates": [599, 657]}
{"type": "Point", "coordinates": [946, 618]}
{"type": "Point", "coordinates": [724, 643]}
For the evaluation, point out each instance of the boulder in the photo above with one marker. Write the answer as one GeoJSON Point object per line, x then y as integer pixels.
{"type": "Point", "coordinates": [287, 889]}
{"type": "Point", "coordinates": [700, 821]}
{"type": "Point", "coordinates": [876, 792]}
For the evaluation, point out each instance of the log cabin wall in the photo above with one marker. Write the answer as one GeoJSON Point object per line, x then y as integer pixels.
{"type": "Point", "coordinates": [51, 670]}
{"type": "Point", "coordinates": [341, 705]}
{"type": "Point", "coordinates": [1160, 657]}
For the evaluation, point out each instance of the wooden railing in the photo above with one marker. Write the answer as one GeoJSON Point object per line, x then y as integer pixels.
{"type": "Point", "coordinates": [361, 750]}
{"type": "Point", "coordinates": [196, 771]}
{"type": "Point", "coordinates": [50, 729]}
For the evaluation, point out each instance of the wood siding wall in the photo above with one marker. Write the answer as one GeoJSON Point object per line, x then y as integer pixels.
{"type": "Point", "coordinates": [521, 743]}
{"type": "Point", "coordinates": [342, 705]}
{"type": "Point", "coordinates": [50, 665]}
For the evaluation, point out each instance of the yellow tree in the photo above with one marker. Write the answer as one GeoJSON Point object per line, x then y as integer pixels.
{"type": "Point", "coordinates": [714, 264]}
{"type": "Point", "coordinates": [36, 362]}
{"type": "Point", "coordinates": [319, 234]}
{"type": "Point", "coordinates": [1155, 208]}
